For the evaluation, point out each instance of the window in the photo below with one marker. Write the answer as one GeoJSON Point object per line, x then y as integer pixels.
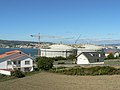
{"type": "Point", "coordinates": [26, 69]}
{"type": "Point", "coordinates": [97, 60]}
{"type": "Point", "coordinates": [19, 69]}
{"type": "Point", "coordinates": [14, 62]}
{"type": "Point", "coordinates": [19, 62]}
{"type": "Point", "coordinates": [27, 62]}
{"type": "Point", "coordinates": [9, 63]}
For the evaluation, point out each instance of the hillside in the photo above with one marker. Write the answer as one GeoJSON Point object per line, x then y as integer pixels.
{"type": "Point", "coordinates": [51, 81]}
{"type": "Point", "coordinates": [9, 42]}
{"type": "Point", "coordinates": [18, 44]}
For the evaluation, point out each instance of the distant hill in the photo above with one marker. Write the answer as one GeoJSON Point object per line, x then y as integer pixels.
{"type": "Point", "coordinates": [13, 42]}
{"type": "Point", "coordinates": [112, 44]}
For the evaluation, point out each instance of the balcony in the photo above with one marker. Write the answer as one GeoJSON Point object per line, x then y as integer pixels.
{"type": "Point", "coordinates": [16, 65]}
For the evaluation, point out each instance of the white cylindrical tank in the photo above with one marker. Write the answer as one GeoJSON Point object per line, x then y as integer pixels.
{"type": "Point", "coordinates": [57, 50]}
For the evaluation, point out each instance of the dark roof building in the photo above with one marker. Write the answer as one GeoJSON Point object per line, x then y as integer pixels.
{"type": "Point", "coordinates": [90, 57]}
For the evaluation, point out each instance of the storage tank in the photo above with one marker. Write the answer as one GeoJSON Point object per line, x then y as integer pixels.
{"type": "Point", "coordinates": [57, 50]}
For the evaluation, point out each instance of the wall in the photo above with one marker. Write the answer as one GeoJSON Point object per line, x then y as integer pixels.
{"type": "Point", "coordinates": [55, 53]}
{"type": "Point", "coordinates": [5, 72]}
{"type": "Point", "coordinates": [3, 65]}
{"type": "Point", "coordinates": [23, 62]}
{"type": "Point", "coordinates": [82, 60]}
{"type": "Point", "coordinates": [25, 66]}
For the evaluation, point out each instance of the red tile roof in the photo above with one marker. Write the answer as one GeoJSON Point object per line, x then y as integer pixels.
{"type": "Point", "coordinates": [20, 55]}
{"type": "Point", "coordinates": [9, 53]}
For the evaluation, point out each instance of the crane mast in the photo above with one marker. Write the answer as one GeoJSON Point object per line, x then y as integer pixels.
{"type": "Point", "coordinates": [38, 36]}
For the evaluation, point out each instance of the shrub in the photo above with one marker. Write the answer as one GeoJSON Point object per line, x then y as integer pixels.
{"type": "Point", "coordinates": [110, 56]}
{"type": "Point", "coordinates": [72, 57]}
{"type": "Point", "coordinates": [2, 76]}
{"type": "Point", "coordinates": [105, 70]}
{"type": "Point", "coordinates": [35, 69]}
{"type": "Point", "coordinates": [61, 62]}
{"type": "Point", "coordinates": [59, 58]}
{"type": "Point", "coordinates": [18, 74]}
{"type": "Point", "coordinates": [45, 63]}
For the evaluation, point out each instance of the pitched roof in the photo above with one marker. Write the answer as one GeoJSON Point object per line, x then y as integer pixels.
{"type": "Point", "coordinates": [9, 53]}
{"type": "Point", "coordinates": [93, 56]}
{"type": "Point", "coordinates": [13, 55]}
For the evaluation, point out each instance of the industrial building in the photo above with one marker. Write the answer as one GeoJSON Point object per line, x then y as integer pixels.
{"type": "Point", "coordinates": [89, 48]}
{"type": "Point", "coordinates": [57, 50]}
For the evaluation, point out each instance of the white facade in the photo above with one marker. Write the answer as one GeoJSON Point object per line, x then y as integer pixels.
{"type": "Point", "coordinates": [5, 72]}
{"type": "Point", "coordinates": [89, 48]}
{"type": "Point", "coordinates": [90, 58]}
{"type": "Point", "coordinates": [21, 65]}
{"type": "Point", "coordinates": [115, 54]}
{"type": "Point", "coordinates": [24, 65]}
{"type": "Point", "coordinates": [82, 59]}
{"type": "Point", "coordinates": [3, 65]}
{"type": "Point", "coordinates": [80, 50]}
{"type": "Point", "coordinates": [92, 47]}
{"type": "Point", "coordinates": [55, 53]}
{"type": "Point", "coordinates": [57, 50]}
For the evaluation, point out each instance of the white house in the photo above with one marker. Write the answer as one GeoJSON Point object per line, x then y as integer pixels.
{"type": "Point", "coordinates": [109, 51]}
{"type": "Point", "coordinates": [16, 60]}
{"type": "Point", "coordinates": [90, 58]}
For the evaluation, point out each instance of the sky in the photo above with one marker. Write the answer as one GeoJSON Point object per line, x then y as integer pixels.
{"type": "Point", "coordinates": [93, 21]}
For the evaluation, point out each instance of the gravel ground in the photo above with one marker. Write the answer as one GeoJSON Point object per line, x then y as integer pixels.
{"type": "Point", "coordinates": [52, 81]}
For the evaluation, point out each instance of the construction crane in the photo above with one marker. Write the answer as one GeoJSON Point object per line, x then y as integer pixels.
{"type": "Point", "coordinates": [77, 39]}
{"type": "Point", "coordinates": [38, 36]}
{"type": "Point", "coordinates": [47, 36]}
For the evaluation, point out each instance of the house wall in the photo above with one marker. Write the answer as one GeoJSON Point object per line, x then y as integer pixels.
{"type": "Point", "coordinates": [23, 65]}
{"type": "Point", "coordinates": [116, 55]}
{"type": "Point", "coordinates": [23, 62]}
{"type": "Point", "coordinates": [3, 65]}
{"type": "Point", "coordinates": [5, 72]}
{"type": "Point", "coordinates": [82, 60]}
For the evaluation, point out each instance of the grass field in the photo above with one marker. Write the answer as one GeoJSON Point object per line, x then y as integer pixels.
{"type": "Point", "coordinates": [52, 81]}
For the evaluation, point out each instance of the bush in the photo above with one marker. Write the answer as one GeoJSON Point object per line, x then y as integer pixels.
{"type": "Point", "coordinates": [58, 58]}
{"type": "Point", "coordinates": [45, 63]}
{"type": "Point", "coordinates": [72, 57]}
{"type": "Point", "coordinates": [105, 70]}
{"type": "Point", "coordinates": [35, 69]}
{"type": "Point", "coordinates": [18, 74]}
{"type": "Point", "coordinates": [52, 58]}
{"type": "Point", "coordinates": [2, 76]}
{"type": "Point", "coordinates": [110, 56]}
{"type": "Point", "coordinates": [61, 62]}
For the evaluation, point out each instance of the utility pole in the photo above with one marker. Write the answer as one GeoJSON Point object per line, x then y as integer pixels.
{"type": "Point", "coordinates": [38, 36]}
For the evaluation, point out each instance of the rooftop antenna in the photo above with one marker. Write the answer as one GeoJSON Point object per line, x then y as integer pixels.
{"type": "Point", "coordinates": [38, 36]}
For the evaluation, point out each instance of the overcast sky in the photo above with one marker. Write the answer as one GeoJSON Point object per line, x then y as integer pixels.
{"type": "Point", "coordinates": [66, 20]}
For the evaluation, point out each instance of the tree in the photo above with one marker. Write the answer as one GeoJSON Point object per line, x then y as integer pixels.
{"type": "Point", "coordinates": [44, 63]}
{"type": "Point", "coordinates": [110, 56]}
{"type": "Point", "coordinates": [72, 57]}
{"type": "Point", "coordinates": [18, 74]}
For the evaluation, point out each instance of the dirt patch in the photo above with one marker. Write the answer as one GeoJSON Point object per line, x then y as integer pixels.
{"type": "Point", "coordinates": [52, 81]}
